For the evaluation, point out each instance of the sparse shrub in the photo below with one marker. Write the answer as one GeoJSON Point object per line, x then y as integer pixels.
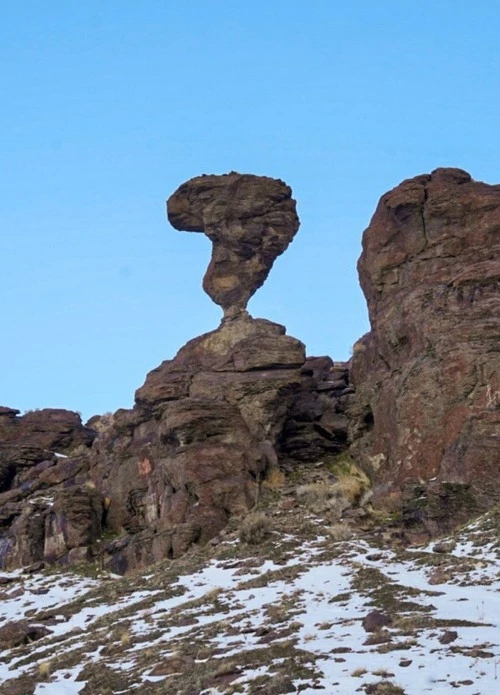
{"type": "Point", "coordinates": [350, 487]}
{"type": "Point", "coordinates": [352, 482]}
{"type": "Point", "coordinates": [255, 528]}
{"type": "Point", "coordinates": [358, 672]}
{"type": "Point", "coordinates": [226, 667]}
{"type": "Point", "coordinates": [101, 423]}
{"type": "Point", "coordinates": [125, 638]}
{"type": "Point", "coordinates": [213, 594]}
{"type": "Point", "coordinates": [274, 479]}
{"type": "Point", "coordinates": [279, 685]}
{"type": "Point", "coordinates": [340, 532]}
{"type": "Point", "coordinates": [348, 490]}
{"type": "Point", "coordinates": [383, 673]}
{"type": "Point", "coordinates": [44, 669]}
{"type": "Point", "coordinates": [309, 637]}
{"type": "Point", "coordinates": [321, 497]}
{"type": "Point", "coordinates": [312, 493]}
{"type": "Point", "coordinates": [79, 450]}
{"type": "Point", "coordinates": [358, 347]}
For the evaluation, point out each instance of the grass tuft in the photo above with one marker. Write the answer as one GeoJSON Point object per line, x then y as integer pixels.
{"type": "Point", "coordinates": [255, 529]}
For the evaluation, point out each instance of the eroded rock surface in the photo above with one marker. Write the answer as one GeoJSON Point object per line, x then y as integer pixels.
{"type": "Point", "coordinates": [206, 428]}
{"type": "Point", "coordinates": [48, 508]}
{"type": "Point", "coordinates": [250, 221]}
{"type": "Point", "coordinates": [426, 418]}
{"type": "Point", "coordinates": [420, 400]}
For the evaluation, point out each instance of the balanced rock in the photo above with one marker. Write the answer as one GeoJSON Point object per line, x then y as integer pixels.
{"type": "Point", "coordinates": [250, 221]}
{"type": "Point", "coordinates": [426, 413]}
{"type": "Point", "coordinates": [207, 426]}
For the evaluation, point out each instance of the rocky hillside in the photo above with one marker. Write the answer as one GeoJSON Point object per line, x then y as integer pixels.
{"type": "Point", "coordinates": [409, 428]}
{"type": "Point", "coordinates": [289, 603]}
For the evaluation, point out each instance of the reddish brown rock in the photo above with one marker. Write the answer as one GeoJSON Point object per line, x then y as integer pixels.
{"type": "Point", "coordinates": [427, 408]}
{"type": "Point", "coordinates": [35, 466]}
{"type": "Point", "coordinates": [250, 221]}
{"type": "Point", "coordinates": [184, 460]}
{"type": "Point", "coordinates": [206, 427]}
{"type": "Point", "coordinates": [18, 632]}
{"type": "Point", "coordinates": [189, 457]}
{"type": "Point", "coordinates": [375, 621]}
{"type": "Point", "coordinates": [448, 636]}
{"type": "Point", "coordinates": [49, 429]}
{"type": "Point", "coordinates": [173, 470]}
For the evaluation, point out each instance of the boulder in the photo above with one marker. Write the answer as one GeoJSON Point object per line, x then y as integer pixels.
{"type": "Point", "coordinates": [250, 221]}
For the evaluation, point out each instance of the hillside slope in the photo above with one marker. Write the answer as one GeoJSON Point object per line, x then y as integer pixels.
{"type": "Point", "coordinates": [299, 611]}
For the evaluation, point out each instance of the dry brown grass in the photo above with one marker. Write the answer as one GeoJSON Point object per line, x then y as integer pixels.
{"type": "Point", "coordinates": [353, 483]}
{"type": "Point", "coordinates": [386, 688]}
{"type": "Point", "coordinates": [349, 487]}
{"type": "Point", "coordinates": [320, 498]}
{"type": "Point", "coordinates": [44, 669]}
{"type": "Point", "coordinates": [255, 528]}
{"type": "Point", "coordinates": [125, 638]}
{"type": "Point", "coordinates": [335, 497]}
{"type": "Point", "coordinates": [274, 479]}
{"type": "Point", "coordinates": [383, 673]}
{"type": "Point", "coordinates": [340, 532]}
{"type": "Point", "coordinates": [312, 492]}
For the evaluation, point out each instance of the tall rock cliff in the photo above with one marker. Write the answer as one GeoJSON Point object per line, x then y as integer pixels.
{"type": "Point", "coordinates": [426, 414]}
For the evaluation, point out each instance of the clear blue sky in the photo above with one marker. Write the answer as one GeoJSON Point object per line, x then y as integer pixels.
{"type": "Point", "coordinates": [107, 106]}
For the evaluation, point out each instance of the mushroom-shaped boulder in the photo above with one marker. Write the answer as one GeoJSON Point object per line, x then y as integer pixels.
{"type": "Point", "coordinates": [250, 221]}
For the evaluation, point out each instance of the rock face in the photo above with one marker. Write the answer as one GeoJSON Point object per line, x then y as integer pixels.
{"type": "Point", "coordinates": [426, 415]}
{"type": "Point", "coordinates": [206, 429]}
{"type": "Point", "coordinates": [250, 221]}
{"type": "Point", "coordinates": [41, 518]}
{"type": "Point", "coordinates": [419, 405]}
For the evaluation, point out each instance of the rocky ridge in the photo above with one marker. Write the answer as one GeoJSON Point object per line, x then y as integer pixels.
{"type": "Point", "coordinates": [417, 408]}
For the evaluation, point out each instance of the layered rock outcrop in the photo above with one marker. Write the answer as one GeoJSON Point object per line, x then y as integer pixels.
{"type": "Point", "coordinates": [206, 429]}
{"type": "Point", "coordinates": [418, 405]}
{"type": "Point", "coordinates": [48, 509]}
{"type": "Point", "coordinates": [207, 426]}
{"type": "Point", "coordinates": [250, 221]}
{"type": "Point", "coordinates": [426, 415]}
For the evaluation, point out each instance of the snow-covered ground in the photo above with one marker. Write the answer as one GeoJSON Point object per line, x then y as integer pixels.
{"type": "Point", "coordinates": [275, 620]}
